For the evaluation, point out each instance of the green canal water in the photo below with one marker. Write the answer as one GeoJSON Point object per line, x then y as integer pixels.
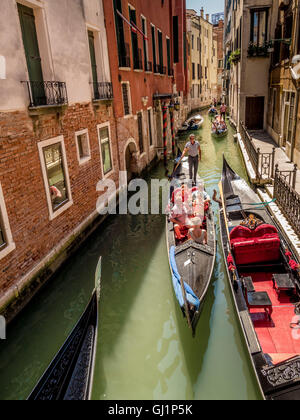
{"type": "Point", "coordinates": [145, 349]}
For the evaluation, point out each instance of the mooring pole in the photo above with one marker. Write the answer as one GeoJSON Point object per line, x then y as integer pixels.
{"type": "Point", "coordinates": [165, 122]}
{"type": "Point", "coordinates": [172, 130]}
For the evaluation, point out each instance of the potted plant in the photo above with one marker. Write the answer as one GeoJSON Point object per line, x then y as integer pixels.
{"type": "Point", "coordinates": [235, 57]}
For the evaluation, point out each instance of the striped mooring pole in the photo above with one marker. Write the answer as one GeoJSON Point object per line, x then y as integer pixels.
{"type": "Point", "coordinates": [165, 123]}
{"type": "Point", "coordinates": [172, 131]}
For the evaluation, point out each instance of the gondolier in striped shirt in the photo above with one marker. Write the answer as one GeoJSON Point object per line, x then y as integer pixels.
{"type": "Point", "coordinates": [194, 153]}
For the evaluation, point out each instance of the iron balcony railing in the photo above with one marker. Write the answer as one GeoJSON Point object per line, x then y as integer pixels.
{"type": "Point", "coordinates": [138, 60]}
{"type": "Point", "coordinates": [148, 66]}
{"type": "Point", "coordinates": [124, 56]}
{"type": "Point", "coordinates": [47, 93]}
{"type": "Point", "coordinates": [171, 72]}
{"type": "Point", "coordinates": [103, 91]}
{"type": "Point", "coordinates": [263, 163]}
{"type": "Point", "coordinates": [287, 199]}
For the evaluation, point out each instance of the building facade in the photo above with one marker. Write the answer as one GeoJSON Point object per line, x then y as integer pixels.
{"type": "Point", "coordinates": [218, 31]}
{"type": "Point", "coordinates": [57, 133]}
{"type": "Point", "coordinates": [283, 104]}
{"type": "Point", "coordinates": [146, 51]}
{"type": "Point", "coordinates": [202, 60]}
{"type": "Point", "coordinates": [249, 25]}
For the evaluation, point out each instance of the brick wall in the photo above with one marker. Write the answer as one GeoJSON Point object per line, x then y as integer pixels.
{"type": "Point", "coordinates": [23, 187]}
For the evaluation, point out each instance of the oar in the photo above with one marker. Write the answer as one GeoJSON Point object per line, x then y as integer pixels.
{"type": "Point", "coordinates": [187, 311]}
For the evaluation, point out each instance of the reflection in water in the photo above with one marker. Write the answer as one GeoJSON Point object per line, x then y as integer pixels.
{"type": "Point", "coordinates": [145, 348]}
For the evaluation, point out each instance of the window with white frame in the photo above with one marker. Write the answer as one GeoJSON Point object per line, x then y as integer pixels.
{"type": "Point", "coordinates": [6, 241]}
{"type": "Point", "coordinates": [105, 145]}
{"type": "Point", "coordinates": [83, 146]}
{"type": "Point", "coordinates": [56, 175]}
{"type": "Point", "coordinates": [126, 98]}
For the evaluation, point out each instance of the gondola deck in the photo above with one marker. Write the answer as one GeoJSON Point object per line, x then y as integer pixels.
{"type": "Point", "coordinates": [70, 374]}
{"type": "Point", "coordinates": [195, 262]}
{"type": "Point", "coordinates": [274, 347]}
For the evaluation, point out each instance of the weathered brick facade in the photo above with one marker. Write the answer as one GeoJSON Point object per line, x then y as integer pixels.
{"type": "Point", "coordinates": [35, 236]}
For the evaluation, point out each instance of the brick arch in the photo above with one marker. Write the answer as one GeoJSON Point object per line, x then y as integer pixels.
{"type": "Point", "coordinates": [129, 150]}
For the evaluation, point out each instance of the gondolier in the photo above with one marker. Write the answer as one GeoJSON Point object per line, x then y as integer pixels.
{"type": "Point", "coordinates": [193, 150]}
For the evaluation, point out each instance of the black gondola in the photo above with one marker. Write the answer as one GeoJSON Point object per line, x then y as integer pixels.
{"type": "Point", "coordinates": [264, 280]}
{"type": "Point", "coordinates": [70, 375]}
{"type": "Point", "coordinates": [191, 263]}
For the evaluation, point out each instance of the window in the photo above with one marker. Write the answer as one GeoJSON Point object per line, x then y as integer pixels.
{"type": "Point", "coordinates": [160, 49]}
{"type": "Point", "coordinates": [193, 71]}
{"type": "Point", "coordinates": [145, 43]}
{"type": "Point", "coordinates": [56, 176]}
{"type": "Point", "coordinates": [93, 63]}
{"type": "Point", "coordinates": [192, 42]}
{"type": "Point", "coordinates": [199, 72]}
{"type": "Point", "coordinates": [176, 38]}
{"type": "Point", "coordinates": [126, 98]}
{"type": "Point", "coordinates": [169, 56]}
{"type": "Point", "coordinates": [105, 146]}
{"type": "Point", "coordinates": [6, 241]}
{"type": "Point", "coordinates": [124, 59]}
{"type": "Point", "coordinates": [154, 49]}
{"type": "Point", "coordinates": [83, 146]}
{"type": "Point", "coordinates": [140, 129]}
{"type": "Point", "coordinates": [134, 41]}
{"type": "Point", "coordinates": [150, 128]}
{"type": "Point", "coordinates": [259, 27]}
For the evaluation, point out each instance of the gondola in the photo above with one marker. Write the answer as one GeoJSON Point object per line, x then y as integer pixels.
{"type": "Point", "coordinates": [263, 273]}
{"type": "Point", "coordinates": [70, 375]}
{"type": "Point", "coordinates": [192, 124]}
{"type": "Point", "coordinates": [219, 134]}
{"type": "Point", "coordinates": [191, 263]}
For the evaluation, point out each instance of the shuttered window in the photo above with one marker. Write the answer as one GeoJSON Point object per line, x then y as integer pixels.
{"type": "Point", "coordinates": [126, 99]}
{"type": "Point", "coordinates": [104, 135]}
{"type": "Point", "coordinates": [176, 39]}
{"type": "Point", "coordinates": [169, 55]}
{"type": "Point", "coordinates": [140, 129]}
{"type": "Point", "coordinates": [150, 127]}
{"type": "Point", "coordinates": [154, 48]}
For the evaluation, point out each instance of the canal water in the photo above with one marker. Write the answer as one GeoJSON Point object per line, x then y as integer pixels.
{"type": "Point", "coordinates": [145, 349]}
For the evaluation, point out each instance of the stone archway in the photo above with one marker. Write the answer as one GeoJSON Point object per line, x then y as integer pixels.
{"type": "Point", "coordinates": [130, 157]}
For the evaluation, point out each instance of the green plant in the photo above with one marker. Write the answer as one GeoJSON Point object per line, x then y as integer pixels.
{"type": "Point", "coordinates": [235, 57]}
{"type": "Point", "coordinates": [259, 50]}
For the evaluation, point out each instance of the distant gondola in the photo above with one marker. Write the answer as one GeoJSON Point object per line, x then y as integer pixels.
{"type": "Point", "coordinates": [70, 375]}
{"type": "Point", "coordinates": [264, 280]}
{"type": "Point", "coordinates": [194, 123]}
{"type": "Point", "coordinates": [191, 263]}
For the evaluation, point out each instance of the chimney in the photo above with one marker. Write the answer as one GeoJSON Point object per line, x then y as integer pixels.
{"type": "Point", "coordinates": [202, 12]}
{"type": "Point", "coordinates": [207, 17]}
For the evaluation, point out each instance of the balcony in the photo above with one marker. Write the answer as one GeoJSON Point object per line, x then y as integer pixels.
{"type": "Point", "coordinates": [124, 57]}
{"type": "Point", "coordinates": [103, 91]}
{"type": "Point", "coordinates": [148, 66]}
{"type": "Point", "coordinates": [138, 60]}
{"type": "Point", "coordinates": [45, 94]}
{"type": "Point", "coordinates": [171, 72]}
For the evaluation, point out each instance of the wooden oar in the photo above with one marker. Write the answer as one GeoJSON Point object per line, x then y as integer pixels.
{"type": "Point", "coordinates": [224, 209]}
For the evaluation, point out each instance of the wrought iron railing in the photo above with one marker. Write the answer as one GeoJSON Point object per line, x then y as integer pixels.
{"type": "Point", "coordinates": [148, 66]}
{"type": "Point", "coordinates": [47, 93]}
{"type": "Point", "coordinates": [290, 177]}
{"type": "Point", "coordinates": [263, 163]}
{"type": "Point", "coordinates": [171, 72]}
{"type": "Point", "coordinates": [138, 60]}
{"type": "Point", "coordinates": [156, 68]}
{"type": "Point", "coordinates": [103, 91]}
{"type": "Point", "coordinates": [288, 200]}
{"type": "Point", "coordinates": [124, 56]}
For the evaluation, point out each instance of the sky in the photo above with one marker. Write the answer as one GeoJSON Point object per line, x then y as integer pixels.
{"type": "Point", "coordinates": [210, 6]}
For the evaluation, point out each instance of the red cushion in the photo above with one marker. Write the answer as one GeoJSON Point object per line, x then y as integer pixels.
{"type": "Point", "coordinates": [254, 251]}
{"type": "Point", "coordinates": [240, 232]}
{"type": "Point", "coordinates": [263, 230]}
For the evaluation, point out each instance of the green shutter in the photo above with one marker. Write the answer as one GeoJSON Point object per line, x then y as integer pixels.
{"type": "Point", "coordinates": [93, 58]}
{"type": "Point", "coordinates": [31, 46]}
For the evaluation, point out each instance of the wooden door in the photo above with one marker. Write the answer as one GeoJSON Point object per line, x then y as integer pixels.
{"type": "Point", "coordinates": [94, 64]}
{"type": "Point", "coordinates": [255, 110]}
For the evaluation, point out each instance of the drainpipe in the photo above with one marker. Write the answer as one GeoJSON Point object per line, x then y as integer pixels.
{"type": "Point", "coordinates": [165, 126]}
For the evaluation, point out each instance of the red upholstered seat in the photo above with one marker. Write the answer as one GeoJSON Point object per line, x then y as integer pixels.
{"type": "Point", "coordinates": [240, 232]}
{"type": "Point", "coordinates": [258, 246]}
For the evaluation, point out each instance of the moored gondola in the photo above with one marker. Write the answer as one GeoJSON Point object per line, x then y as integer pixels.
{"type": "Point", "coordinates": [263, 273]}
{"type": "Point", "coordinates": [70, 375]}
{"type": "Point", "coordinates": [191, 262]}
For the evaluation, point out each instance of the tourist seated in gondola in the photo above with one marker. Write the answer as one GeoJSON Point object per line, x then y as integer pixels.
{"type": "Point", "coordinates": [197, 233]}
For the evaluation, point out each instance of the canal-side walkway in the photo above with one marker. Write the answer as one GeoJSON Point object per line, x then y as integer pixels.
{"type": "Point", "coordinates": [263, 141]}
